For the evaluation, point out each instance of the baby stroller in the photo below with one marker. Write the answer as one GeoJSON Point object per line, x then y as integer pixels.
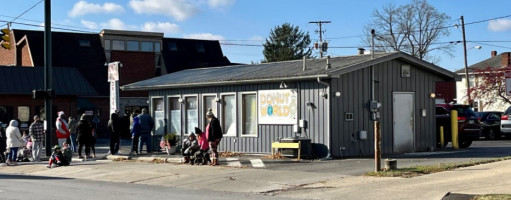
{"type": "Point", "coordinates": [200, 157]}
{"type": "Point", "coordinates": [25, 153]}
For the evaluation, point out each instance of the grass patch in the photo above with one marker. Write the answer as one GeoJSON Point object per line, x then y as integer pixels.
{"type": "Point", "coordinates": [429, 169]}
{"type": "Point", "coordinates": [493, 197]}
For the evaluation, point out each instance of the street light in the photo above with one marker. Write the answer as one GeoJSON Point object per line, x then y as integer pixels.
{"type": "Point", "coordinates": [466, 71]}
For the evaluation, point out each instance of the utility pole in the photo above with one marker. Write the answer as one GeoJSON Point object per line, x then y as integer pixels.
{"type": "Point", "coordinates": [48, 76]}
{"type": "Point", "coordinates": [320, 31]}
{"type": "Point", "coordinates": [465, 56]}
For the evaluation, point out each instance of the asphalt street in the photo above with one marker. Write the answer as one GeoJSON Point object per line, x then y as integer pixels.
{"type": "Point", "coordinates": [266, 178]}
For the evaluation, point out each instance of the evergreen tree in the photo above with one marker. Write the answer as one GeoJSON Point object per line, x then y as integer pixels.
{"type": "Point", "coordinates": [287, 42]}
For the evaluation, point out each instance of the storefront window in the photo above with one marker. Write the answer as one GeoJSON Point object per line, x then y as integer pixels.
{"type": "Point", "coordinates": [248, 114]}
{"type": "Point", "coordinates": [207, 103]}
{"type": "Point", "coordinates": [228, 119]}
{"type": "Point", "coordinates": [24, 113]}
{"type": "Point", "coordinates": [192, 118]}
{"type": "Point", "coordinates": [159, 116]}
{"type": "Point", "coordinates": [175, 115]}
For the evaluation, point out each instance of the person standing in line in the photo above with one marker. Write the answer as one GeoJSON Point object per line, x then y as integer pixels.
{"type": "Point", "coordinates": [84, 135]}
{"type": "Point", "coordinates": [72, 130]}
{"type": "Point", "coordinates": [14, 142]}
{"type": "Point", "coordinates": [114, 130]}
{"type": "Point", "coordinates": [3, 145]}
{"type": "Point", "coordinates": [147, 124]}
{"type": "Point", "coordinates": [62, 128]}
{"type": "Point", "coordinates": [135, 133]}
{"type": "Point", "coordinates": [36, 132]}
{"type": "Point", "coordinates": [214, 135]}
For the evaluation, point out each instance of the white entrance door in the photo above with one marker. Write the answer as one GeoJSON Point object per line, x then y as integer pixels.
{"type": "Point", "coordinates": [404, 122]}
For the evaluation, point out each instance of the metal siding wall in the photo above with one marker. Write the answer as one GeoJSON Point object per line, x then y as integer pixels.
{"type": "Point", "coordinates": [317, 123]}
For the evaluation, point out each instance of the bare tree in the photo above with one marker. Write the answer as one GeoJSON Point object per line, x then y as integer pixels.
{"type": "Point", "coordinates": [414, 28]}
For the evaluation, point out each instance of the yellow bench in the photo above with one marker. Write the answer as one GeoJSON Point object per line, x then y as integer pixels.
{"type": "Point", "coordinates": [280, 145]}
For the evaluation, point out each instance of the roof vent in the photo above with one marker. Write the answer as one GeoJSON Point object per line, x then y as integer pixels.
{"type": "Point", "coordinates": [304, 65]}
{"type": "Point", "coordinates": [327, 62]}
{"type": "Point", "coordinates": [361, 51]}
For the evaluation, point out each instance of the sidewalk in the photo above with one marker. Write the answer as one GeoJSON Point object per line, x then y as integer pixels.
{"type": "Point", "coordinates": [330, 179]}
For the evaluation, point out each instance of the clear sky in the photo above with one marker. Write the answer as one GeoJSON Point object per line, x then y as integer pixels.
{"type": "Point", "coordinates": [242, 25]}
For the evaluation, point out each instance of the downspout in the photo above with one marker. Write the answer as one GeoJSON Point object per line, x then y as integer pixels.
{"type": "Point", "coordinates": [329, 155]}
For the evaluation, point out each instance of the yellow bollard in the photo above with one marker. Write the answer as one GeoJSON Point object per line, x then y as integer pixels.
{"type": "Point", "coordinates": [454, 129]}
{"type": "Point", "coordinates": [442, 140]}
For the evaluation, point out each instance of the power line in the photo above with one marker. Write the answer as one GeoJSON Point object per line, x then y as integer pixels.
{"type": "Point", "coordinates": [31, 20]}
{"type": "Point", "coordinates": [27, 10]}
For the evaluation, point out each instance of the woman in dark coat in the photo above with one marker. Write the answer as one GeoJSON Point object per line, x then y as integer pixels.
{"type": "Point", "coordinates": [114, 130]}
{"type": "Point", "coordinates": [84, 136]}
{"type": "Point", "coordinates": [214, 135]}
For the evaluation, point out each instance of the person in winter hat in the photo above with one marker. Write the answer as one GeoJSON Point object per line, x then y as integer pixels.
{"type": "Point", "coordinates": [62, 128]}
{"type": "Point", "coordinates": [14, 142]}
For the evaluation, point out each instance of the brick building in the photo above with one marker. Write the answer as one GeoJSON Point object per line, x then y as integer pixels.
{"type": "Point", "coordinates": [140, 53]}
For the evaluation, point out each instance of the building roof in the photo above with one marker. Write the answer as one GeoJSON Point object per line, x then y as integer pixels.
{"type": "Point", "coordinates": [179, 54]}
{"type": "Point", "coordinates": [22, 80]}
{"type": "Point", "coordinates": [493, 62]}
{"type": "Point", "coordinates": [76, 50]}
{"type": "Point", "coordinates": [277, 71]}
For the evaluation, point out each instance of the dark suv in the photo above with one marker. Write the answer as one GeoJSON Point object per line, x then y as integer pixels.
{"type": "Point", "coordinates": [469, 128]}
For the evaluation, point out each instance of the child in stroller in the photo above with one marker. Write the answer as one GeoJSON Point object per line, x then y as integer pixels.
{"type": "Point", "coordinates": [201, 157]}
{"type": "Point", "coordinates": [25, 152]}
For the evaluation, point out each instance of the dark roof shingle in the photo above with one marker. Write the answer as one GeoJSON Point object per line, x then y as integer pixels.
{"type": "Point", "coordinates": [22, 80]}
{"type": "Point", "coordinates": [266, 72]}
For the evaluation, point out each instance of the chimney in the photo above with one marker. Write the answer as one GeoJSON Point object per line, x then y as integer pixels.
{"type": "Point", "coordinates": [505, 59]}
{"type": "Point", "coordinates": [304, 65]}
{"type": "Point", "coordinates": [493, 53]}
{"type": "Point", "coordinates": [361, 51]}
{"type": "Point", "coordinates": [327, 62]}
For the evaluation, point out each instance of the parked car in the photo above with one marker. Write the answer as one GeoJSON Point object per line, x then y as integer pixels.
{"type": "Point", "coordinates": [505, 123]}
{"type": "Point", "coordinates": [469, 128]}
{"type": "Point", "coordinates": [490, 124]}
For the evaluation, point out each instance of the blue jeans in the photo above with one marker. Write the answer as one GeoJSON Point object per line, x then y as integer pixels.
{"type": "Point", "coordinates": [144, 138]}
{"type": "Point", "coordinates": [13, 154]}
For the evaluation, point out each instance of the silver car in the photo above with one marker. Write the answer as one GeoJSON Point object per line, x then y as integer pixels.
{"type": "Point", "coordinates": [505, 122]}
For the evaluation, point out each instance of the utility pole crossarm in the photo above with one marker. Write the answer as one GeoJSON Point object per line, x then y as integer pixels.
{"type": "Point", "coordinates": [320, 23]}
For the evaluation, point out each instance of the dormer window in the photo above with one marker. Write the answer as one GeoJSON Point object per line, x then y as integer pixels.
{"type": "Point", "coordinates": [84, 43]}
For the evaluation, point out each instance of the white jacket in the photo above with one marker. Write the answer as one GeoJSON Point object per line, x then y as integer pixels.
{"type": "Point", "coordinates": [13, 135]}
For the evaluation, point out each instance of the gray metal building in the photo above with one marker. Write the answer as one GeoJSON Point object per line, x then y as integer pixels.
{"type": "Point", "coordinates": [326, 100]}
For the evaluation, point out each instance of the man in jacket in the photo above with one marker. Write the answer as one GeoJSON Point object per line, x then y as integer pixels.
{"type": "Point", "coordinates": [36, 132]}
{"type": "Point", "coordinates": [147, 124]}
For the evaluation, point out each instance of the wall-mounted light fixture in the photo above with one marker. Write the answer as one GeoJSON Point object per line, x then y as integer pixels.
{"type": "Point", "coordinates": [432, 95]}
{"type": "Point", "coordinates": [283, 85]}
{"type": "Point", "coordinates": [324, 95]}
{"type": "Point", "coordinates": [338, 94]}
{"type": "Point", "coordinates": [180, 100]}
{"type": "Point", "coordinates": [217, 99]}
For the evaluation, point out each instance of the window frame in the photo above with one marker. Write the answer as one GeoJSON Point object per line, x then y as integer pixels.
{"type": "Point", "coordinates": [108, 46]}
{"type": "Point", "coordinates": [240, 113]}
{"type": "Point", "coordinates": [157, 50]}
{"type": "Point", "coordinates": [222, 117]}
{"type": "Point", "coordinates": [186, 132]}
{"type": "Point", "coordinates": [146, 42]}
{"type": "Point", "coordinates": [18, 112]}
{"type": "Point", "coordinates": [204, 109]}
{"type": "Point", "coordinates": [169, 114]}
{"type": "Point", "coordinates": [132, 41]}
{"type": "Point", "coordinates": [123, 43]}
{"type": "Point", "coordinates": [152, 110]}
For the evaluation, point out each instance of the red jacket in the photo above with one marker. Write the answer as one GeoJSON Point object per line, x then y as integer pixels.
{"type": "Point", "coordinates": [63, 127]}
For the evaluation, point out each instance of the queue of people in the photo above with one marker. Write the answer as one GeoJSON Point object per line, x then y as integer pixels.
{"type": "Point", "coordinates": [198, 148]}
